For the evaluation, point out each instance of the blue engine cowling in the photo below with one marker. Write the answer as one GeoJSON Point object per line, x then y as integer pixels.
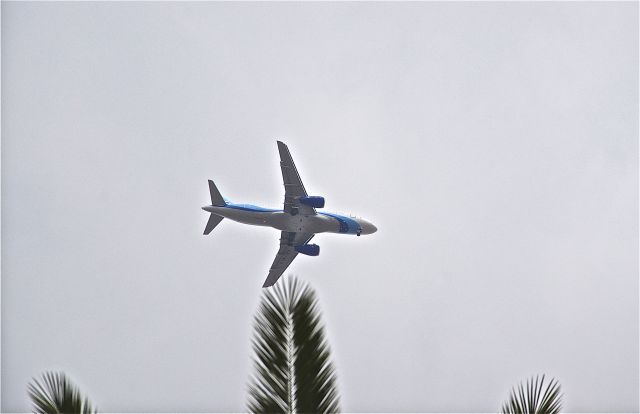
{"type": "Point", "coordinates": [309, 249]}
{"type": "Point", "coordinates": [313, 201]}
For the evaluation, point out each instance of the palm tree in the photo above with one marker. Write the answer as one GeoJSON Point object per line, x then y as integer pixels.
{"type": "Point", "coordinates": [293, 371]}
{"type": "Point", "coordinates": [535, 397]}
{"type": "Point", "coordinates": [56, 394]}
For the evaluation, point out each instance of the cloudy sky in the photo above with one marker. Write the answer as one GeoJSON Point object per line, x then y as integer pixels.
{"type": "Point", "coordinates": [494, 145]}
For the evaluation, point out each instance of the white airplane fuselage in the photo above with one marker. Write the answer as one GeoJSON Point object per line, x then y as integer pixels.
{"type": "Point", "coordinates": [298, 221]}
{"type": "Point", "coordinates": [322, 222]}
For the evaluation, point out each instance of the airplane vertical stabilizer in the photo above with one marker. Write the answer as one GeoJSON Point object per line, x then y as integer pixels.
{"type": "Point", "coordinates": [216, 200]}
{"type": "Point", "coordinates": [216, 197]}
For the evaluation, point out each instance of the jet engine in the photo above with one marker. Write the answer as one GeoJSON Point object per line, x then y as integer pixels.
{"type": "Point", "coordinates": [313, 201]}
{"type": "Point", "coordinates": [309, 249]}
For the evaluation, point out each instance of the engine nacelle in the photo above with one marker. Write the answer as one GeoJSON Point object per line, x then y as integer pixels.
{"type": "Point", "coordinates": [309, 249]}
{"type": "Point", "coordinates": [313, 201]}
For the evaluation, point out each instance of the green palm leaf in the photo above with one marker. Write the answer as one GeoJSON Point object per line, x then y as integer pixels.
{"type": "Point", "coordinates": [293, 371]}
{"type": "Point", "coordinates": [56, 394]}
{"type": "Point", "coordinates": [534, 397]}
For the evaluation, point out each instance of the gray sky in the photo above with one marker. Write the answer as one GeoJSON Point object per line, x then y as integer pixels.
{"type": "Point", "coordinates": [494, 145]}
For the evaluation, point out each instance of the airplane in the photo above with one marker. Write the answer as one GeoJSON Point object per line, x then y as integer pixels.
{"type": "Point", "coordinates": [298, 221]}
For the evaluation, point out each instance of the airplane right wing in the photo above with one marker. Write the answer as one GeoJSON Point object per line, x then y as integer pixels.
{"type": "Point", "coordinates": [286, 254]}
{"type": "Point", "coordinates": [293, 187]}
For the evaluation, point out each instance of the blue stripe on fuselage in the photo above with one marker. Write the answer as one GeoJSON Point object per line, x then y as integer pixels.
{"type": "Point", "coordinates": [250, 207]}
{"type": "Point", "coordinates": [347, 225]}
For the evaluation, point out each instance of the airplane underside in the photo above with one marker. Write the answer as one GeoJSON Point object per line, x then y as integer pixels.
{"type": "Point", "coordinates": [298, 221]}
{"type": "Point", "coordinates": [280, 220]}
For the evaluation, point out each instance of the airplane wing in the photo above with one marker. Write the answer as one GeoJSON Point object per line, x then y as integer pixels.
{"type": "Point", "coordinates": [293, 187]}
{"type": "Point", "coordinates": [286, 254]}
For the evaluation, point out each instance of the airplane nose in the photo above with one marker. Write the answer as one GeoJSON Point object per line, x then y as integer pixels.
{"type": "Point", "coordinates": [367, 228]}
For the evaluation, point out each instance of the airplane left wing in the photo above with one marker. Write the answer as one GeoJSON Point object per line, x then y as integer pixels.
{"type": "Point", "coordinates": [293, 187]}
{"type": "Point", "coordinates": [286, 254]}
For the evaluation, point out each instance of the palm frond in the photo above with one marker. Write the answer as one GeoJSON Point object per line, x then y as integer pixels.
{"type": "Point", "coordinates": [56, 394]}
{"type": "Point", "coordinates": [316, 390]}
{"type": "Point", "coordinates": [534, 397]}
{"type": "Point", "coordinates": [293, 372]}
{"type": "Point", "coordinates": [270, 390]}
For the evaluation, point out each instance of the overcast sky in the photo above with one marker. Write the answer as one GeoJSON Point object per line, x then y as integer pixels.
{"type": "Point", "coordinates": [494, 145]}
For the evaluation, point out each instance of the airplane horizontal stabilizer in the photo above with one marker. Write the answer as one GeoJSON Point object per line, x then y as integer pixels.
{"type": "Point", "coordinates": [214, 220]}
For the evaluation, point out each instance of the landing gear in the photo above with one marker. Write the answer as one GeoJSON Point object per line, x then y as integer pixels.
{"type": "Point", "coordinates": [358, 233]}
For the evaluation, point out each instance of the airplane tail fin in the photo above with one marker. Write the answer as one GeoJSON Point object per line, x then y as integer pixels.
{"type": "Point", "coordinates": [216, 200]}
{"type": "Point", "coordinates": [214, 220]}
{"type": "Point", "coordinates": [216, 197]}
